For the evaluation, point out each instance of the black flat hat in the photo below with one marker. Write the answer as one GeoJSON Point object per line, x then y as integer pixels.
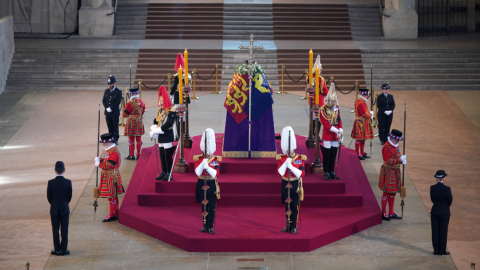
{"type": "Point", "coordinates": [363, 91]}
{"type": "Point", "coordinates": [134, 90]}
{"type": "Point", "coordinates": [59, 166]}
{"type": "Point", "coordinates": [385, 86]}
{"type": "Point", "coordinates": [396, 134]}
{"type": "Point", "coordinates": [440, 174]}
{"type": "Point", "coordinates": [107, 137]}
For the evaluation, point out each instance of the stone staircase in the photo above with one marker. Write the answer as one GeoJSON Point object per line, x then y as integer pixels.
{"type": "Point", "coordinates": [131, 20]}
{"type": "Point", "coordinates": [311, 22]}
{"type": "Point", "coordinates": [241, 20]}
{"type": "Point", "coordinates": [423, 69]}
{"type": "Point", "coordinates": [184, 21]}
{"type": "Point", "coordinates": [365, 21]}
{"type": "Point", "coordinates": [344, 64]}
{"type": "Point", "coordinates": [266, 58]}
{"type": "Point", "coordinates": [155, 64]}
{"type": "Point", "coordinates": [70, 69]}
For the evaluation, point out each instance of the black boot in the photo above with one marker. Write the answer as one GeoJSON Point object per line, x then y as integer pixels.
{"type": "Point", "coordinates": [162, 160]}
{"type": "Point", "coordinates": [294, 230]}
{"type": "Point", "coordinates": [169, 162]}
{"type": "Point", "coordinates": [177, 125]}
{"type": "Point", "coordinates": [203, 229]}
{"type": "Point", "coordinates": [331, 163]}
{"type": "Point", "coordinates": [284, 229]}
{"type": "Point", "coordinates": [326, 162]}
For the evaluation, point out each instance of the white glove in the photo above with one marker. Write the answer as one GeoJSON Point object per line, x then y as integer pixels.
{"type": "Point", "coordinates": [341, 130]}
{"type": "Point", "coordinates": [109, 110]}
{"type": "Point", "coordinates": [97, 161]}
{"type": "Point", "coordinates": [404, 162]}
{"type": "Point", "coordinates": [371, 112]}
{"type": "Point", "coordinates": [155, 135]}
{"type": "Point", "coordinates": [403, 158]}
{"type": "Point", "coordinates": [199, 169]}
{"type": "Point", "coordinates": [211, 171]}
{"type": "Point", "coordinates": [334, 129]}
{"type": "Point", "coordinates": [205, 163]}
{"type": "Point", "coordinates": [341, 140]}
{"type": "Point", "coordinates": [388, 112]}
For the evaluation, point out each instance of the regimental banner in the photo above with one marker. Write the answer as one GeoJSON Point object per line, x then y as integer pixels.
{"type": "Point", "coordinates": [237, 97]}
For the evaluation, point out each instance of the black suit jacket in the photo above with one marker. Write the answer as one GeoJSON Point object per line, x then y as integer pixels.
{"type": "Point", "coordinates": [385, 104]}
{"type": "Point", "coordinates": [112, 99]}
{"type": "Point", "coordinates": [59, 194]}
{"type": "Point", "coordinates": [441, 197]}
{"type": "Point", "coordinates": [175, 93]}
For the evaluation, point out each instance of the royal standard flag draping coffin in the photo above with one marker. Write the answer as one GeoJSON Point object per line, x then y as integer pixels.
{"type": "Point", "coordinates": [236, 126]}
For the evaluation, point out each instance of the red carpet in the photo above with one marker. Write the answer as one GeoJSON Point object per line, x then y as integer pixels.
{"type": "Point", "coordinates": [250, 214]}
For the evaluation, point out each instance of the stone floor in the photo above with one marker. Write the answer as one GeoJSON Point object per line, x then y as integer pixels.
{"type": "Point", "coordinates": [96, 245]}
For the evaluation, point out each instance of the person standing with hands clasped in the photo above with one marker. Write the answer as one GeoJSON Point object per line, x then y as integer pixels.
{"type": "Point", "coordinates": [386, 105]}
{"type": "Point", "coordinates": [59, 194]}
{"type": "Point", "coordinates": [111, 101]}
{"type": "Point", "coordinates": [441, 196]}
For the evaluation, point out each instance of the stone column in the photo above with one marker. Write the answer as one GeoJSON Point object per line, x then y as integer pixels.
{"type": "Point", "coordinates": [93, 19]}
{"type": "Point", "coordinates": [7, 48]}
{"type": "Point", "coordinates": [403, 20]}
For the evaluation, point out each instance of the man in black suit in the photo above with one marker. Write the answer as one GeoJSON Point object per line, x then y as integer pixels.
{"type": "Point", "coordinates": [386, 105]}
{"type": "Point", "coordinates": [441, 196]}
{"type": "Point", "coordinates": [59, 194]}
{"type": "Point", "coordinates": [111, 101]}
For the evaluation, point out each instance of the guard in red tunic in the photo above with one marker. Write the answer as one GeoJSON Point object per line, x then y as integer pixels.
{"type": "Point", "coordinates": [362, 128]}
{"type": "Point", "coordinates": [332, 133]}
{"type": "Point", "coordinates": [110, 181]}
{"type": "Point", "coordinates": [134, 128]}
{"type": "Point", "coordinates": [390, 178]}
{"type": "Point", "coordinates": [322, 86]}
{"type": "Point", "coordinates": [207, 168]}
{"type": "Point", "coordinates": [291, 167]}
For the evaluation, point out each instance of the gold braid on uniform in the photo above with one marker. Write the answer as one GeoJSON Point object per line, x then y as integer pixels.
{"type": "Point", "coordinates": [160, 116]}
{"type": "Point", "coordinates": [324, 114]}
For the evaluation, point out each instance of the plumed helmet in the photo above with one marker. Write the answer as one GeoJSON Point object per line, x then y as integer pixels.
{"type": "Point", "coordinates": [162, 92]}
{"type": "Point", "coordinates": [293, 142]}
{"type": "Point", "coordinates": [332, 95]}
{"type": "Point", "coordinates": [180, 62]}
{"type": "Point", "coordinates": [211, 144]}
{"type": "Point", "coordinates": [317, 64]}
{"type": "Point", "coordinates": [111, 80]}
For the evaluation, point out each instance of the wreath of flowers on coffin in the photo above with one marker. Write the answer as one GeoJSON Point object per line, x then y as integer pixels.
{"type": "Point", "coordinates": [243, 69]}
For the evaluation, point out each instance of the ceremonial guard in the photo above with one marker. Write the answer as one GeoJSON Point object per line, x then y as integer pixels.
{"type": "Point", "coordinates": [174, 91]}
{"type": "Point", "coordinates": [110, 180]}
{"type": "Point", "coordinates": [390, 177]}
{"type": "Point", "coordinates": [386, 105]}
{"type": "Point", "coordinates": [332, 133]}
{"type": "Point", "coordinates": [111, 101]}
{"type": "Point", "coordinates": [322, 87]}
{"type": "Point", "coordinates": [163, 129]}
{"type": "Point", "coordinates": [291, 167]}
{"type": "Point", "coordinates": [207, 168]}
{"type": "Point", "coordinates": [362, 127]}
{"type": "Point", "coordinates": [134, 128]}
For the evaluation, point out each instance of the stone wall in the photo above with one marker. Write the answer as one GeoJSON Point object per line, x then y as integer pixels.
{"type": "Point", "coordinates": [7, 48]}
{"type": "Point", "coordinates": [41, 16]}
